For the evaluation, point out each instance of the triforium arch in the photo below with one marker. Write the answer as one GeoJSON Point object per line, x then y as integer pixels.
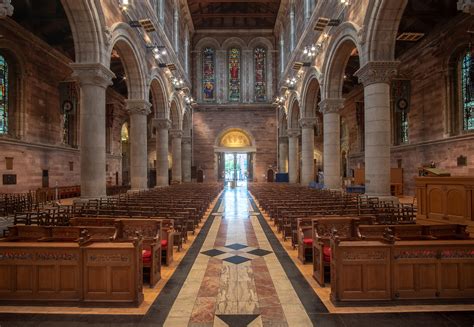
{"type": "Point", "coordinates": [126, 44]}
{"type": "Point", "coordinates": [382, 28]}
{"type": "Point", "coordinates": [86, 21]}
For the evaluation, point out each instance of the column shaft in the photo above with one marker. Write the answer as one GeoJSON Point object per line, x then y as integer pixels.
{"type": "Point", "coordinates": [93, 79]}
{"type": "Point", "coordinates": [307, 150]}
{"type": "Point", "coordinates": [138, 111]}
{"type": "Point", "coordinates": [176, 171]}
{"type": "Point", "coordinates": [293, 155]}
{"type": "Point", "coordinates": [283, 158]}
{"type": "Point", "coordinates": [162, 163]}
{"type": "Point", "coordinates": [376, 77]}
{"type": "Point", "coordinates": [186, 159]}
{"type": "Point", "coordinates": [377, 139]}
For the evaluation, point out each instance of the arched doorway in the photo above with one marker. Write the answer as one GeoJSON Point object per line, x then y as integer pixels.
{"type": "Point", "coordinates": [235, 153]}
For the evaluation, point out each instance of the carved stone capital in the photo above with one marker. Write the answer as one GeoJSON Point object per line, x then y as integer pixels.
{"type": "Point", "coordinates": [293, 132]}
{"type": "Point", "coordinates": [6, 8]}
{"type": "Point", "coordinates": [176, 133]}
{"type": "Point", "coordinates": [138, 107]}
{"type": "Point", "coordinates": [186, 140]}
{"type": "Point", "coordinates": [331, 106]}
{"type": "Point", "coordinates": [377, 72]}
{"type": "Point", "coordinates": [308, 122]}
{"type": "Point", "coordinates": [92, 74]}
{"type": "Point", "coordinates": [160, 123]}
{"type": "Point", "coordinates": [466, 6]}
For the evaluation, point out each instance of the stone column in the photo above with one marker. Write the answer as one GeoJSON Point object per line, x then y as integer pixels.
{"type": "Point", "coordinates": [307, 150]}
{"type": "Point", "coordinates": [93, 80]}
{"type": "Point", "coordinates": [186, 158]}
{"type": "Point", "coordinates": [332, 142]}
{"type": "Point", "coordinates": [176, 174]}
{"type": "Point", "coordinates": [293, 154]}
{"type": "Point", "coordinates": [138, 111]}
{"type": "Point", "coordinates": [283, 150]}
{"type": "Point", "coordinates": [376, 78]}
{"type": "Point", "coordinates": [162, 165]}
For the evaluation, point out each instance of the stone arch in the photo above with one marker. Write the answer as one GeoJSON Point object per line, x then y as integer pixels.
{"type": "Point", "coordinates": [226, 131]}
{"type": "Point", "coordinates": [187, 123]}
{"type": "Point", "coordinates": [294, 112]}
{"type": "Point", "coordinates": [86, 21]}
{"type": "Point", "coordinates": [282, 123]}
{"type": "Point", "coordinates": [159, 97]}
{"type": "Point", "coordinates": [382, 28]}
{"type": "Point", "coordinates": [176, 113]}
{"type": "Point", "coordinates": [207, 42]}
{"type": "Point", "coordinates": [125, 42]}
{"type": "Point", "coordinates": [234, 41]}
{"type": "Point", "coordinates": [311, 88]}
{"type": "Point", "coordinates": [336, 60]}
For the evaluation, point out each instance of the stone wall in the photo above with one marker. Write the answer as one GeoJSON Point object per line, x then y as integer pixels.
{"type": "Point", "coordinates": [38, 145]}
{"type": "Point", "coordinates": [259, 121]}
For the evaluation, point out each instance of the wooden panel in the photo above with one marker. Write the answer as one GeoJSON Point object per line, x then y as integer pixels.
{"type": "Point", "coordinates": [6, 279]}
{"type": "Point", "coordinates": [427, 277]}
{"type": "Point", "coordinates": [406, 282]}
{"type": "Point", "coordinates": [96, 279]}
{"type": "Point", "coordinates": [352, 277]}
{"type": "Point", "coordinates": [46, 279]}
{"type": "Point", "coordinates": [376, 279]}
{"type": "Point", "coordinates": [24, 278]}
{"type": "Point", "coordinates": [68, 278]}
{"type": "Point", "coordinates": [468, 276]}
{"type": "Point", "coordinates": [121, 277]}
{"type": "Point", "coordinates": [455, 203]}
{"type": "Point", "coordinates": [435, 202]}
{"type": "Point", "coordinates": [450, 277]}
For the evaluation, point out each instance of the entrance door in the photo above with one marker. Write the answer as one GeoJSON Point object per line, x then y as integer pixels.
{"type": "Point", "coordinates": [236, 168]}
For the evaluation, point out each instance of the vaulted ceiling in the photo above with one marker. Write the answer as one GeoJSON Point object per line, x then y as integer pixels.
{"type": "Point", "coordinates": [245, 14]}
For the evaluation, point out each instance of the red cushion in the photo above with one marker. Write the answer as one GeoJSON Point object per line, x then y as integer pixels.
{"type": "Point", "coordinates": [146, 256]}
{"type": "Point", "coordinates": [164, 244]}
{"type": "Point", "coordinates": [327, 253]}
{"type": "Point", "coordinates": [308, 241]}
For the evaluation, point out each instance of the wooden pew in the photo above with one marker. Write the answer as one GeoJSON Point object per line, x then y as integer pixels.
{"type": "Point", "coordinates": [402, 270]}
{"type": "Point", "coordinates": [73, 272]}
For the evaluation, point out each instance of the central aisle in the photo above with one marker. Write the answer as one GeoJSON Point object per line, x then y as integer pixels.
{"type": "Point", "coordinates": [237, 279]}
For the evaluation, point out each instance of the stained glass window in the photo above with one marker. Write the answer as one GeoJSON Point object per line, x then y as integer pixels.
{"type": "Point", "coordinates": [234, 74]}
{"type": "Point", "coordinates": [260, 57]}
{"type": "Point", "coordinates": [3, 95]}
{"type": "Point", "coordinates": [401, 95]}
{"type": "Point", "coordinates": [208, 75]}
{"type": "Point", "coordinates": [69, 98]}
{"type": "Point", "coordinates": [467, 82]}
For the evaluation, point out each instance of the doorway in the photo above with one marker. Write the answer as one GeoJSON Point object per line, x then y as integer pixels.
{"type": "Point", "coordinates": [236, 169]}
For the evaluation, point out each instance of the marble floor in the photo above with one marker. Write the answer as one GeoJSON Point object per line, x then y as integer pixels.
{"type": "Point", "coordinates": [237, 272]}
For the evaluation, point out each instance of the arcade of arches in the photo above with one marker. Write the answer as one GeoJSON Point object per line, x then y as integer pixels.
{"type": "Point", "coordinates": [263, 115]}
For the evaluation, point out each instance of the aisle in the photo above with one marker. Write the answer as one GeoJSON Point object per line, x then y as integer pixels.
{"type": "Point", "coordinates": [236, 278]}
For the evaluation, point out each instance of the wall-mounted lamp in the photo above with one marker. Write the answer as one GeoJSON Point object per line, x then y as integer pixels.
{"type": "Point", "coordinates": [291, 83]}
{"type": "Point", "coordinates": [177, 83]}
{"type": "Point", "coordinates": [123, 4]}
